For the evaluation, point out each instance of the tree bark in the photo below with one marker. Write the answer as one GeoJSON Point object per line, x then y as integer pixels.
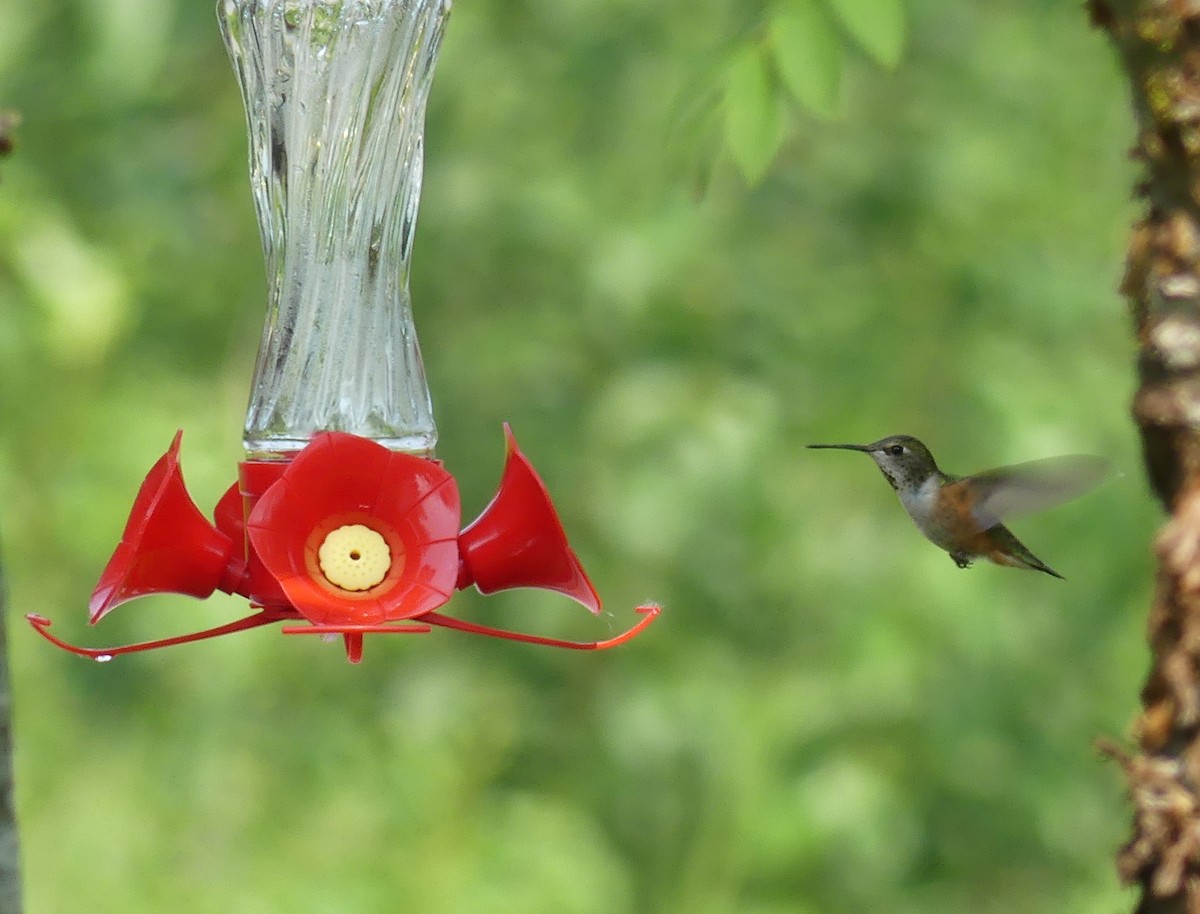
{"type": "Point", "coordinates": [1158, 42]}
{"type": "Point", "coordinates": [10, 849]}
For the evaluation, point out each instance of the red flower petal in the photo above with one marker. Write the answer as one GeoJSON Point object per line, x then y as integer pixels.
{"type": "Point", "coordinates": [341, 479]}
{"type": "Point", "coordinates": [518, 539]}
{"type": "Point", "coordinates": [229, 514]}
{"type": "Point", "coordinates": [168, 546]}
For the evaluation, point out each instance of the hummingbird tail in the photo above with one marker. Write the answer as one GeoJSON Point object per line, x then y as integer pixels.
{"type": "Point", "coordinates": [1039, 565]}
{"type": "Point", "coordinates": [1012, 552]}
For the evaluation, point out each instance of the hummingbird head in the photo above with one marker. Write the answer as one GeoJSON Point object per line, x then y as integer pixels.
{"type": "Point", "coordinates": [904, 460]}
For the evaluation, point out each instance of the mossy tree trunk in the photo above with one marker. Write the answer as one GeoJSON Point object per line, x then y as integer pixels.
{"type": "Point", "coordinates": [1158, 42]}
{"type": "Point", "coordinates": [10, 849]}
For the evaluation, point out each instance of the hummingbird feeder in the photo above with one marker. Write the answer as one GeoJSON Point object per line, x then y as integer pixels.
{"type": "Point", "coordinates": [341, 521]}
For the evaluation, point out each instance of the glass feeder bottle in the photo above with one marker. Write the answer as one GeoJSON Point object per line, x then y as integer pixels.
{"type": "Point", "coordinates": [335, 95]}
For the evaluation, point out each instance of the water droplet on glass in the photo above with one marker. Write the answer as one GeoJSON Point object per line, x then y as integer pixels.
{"type": "Point", "coordinates": [104, 658]}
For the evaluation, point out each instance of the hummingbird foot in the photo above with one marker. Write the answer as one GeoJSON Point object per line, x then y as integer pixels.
{"type": "Point", "coordinates": [961, 559]}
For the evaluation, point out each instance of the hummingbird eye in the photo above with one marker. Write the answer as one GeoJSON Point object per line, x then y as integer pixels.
{"type": "Point", "coordinates": [896, 450]}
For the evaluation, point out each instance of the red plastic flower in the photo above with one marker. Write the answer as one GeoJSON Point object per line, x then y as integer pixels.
{"type": "Point", "coordinates": [148, 558]}
{"type": "Point", "coordinates": [351, 538]}
{"type": "Point", "coordinates": [519, 541]}
{"type": "Point", "coordinates": [358, 535]}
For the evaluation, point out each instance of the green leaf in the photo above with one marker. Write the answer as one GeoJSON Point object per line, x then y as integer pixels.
{"type": "Point", "coordinates": [753, 123]}
{"type": "Point", "coordinates": [877, 25]}
{"type": "Point", "coordinates": [808, 54]}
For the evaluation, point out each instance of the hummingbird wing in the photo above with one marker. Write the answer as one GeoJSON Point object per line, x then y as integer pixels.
{"type": "Point", "coordinates": [1028, 487]}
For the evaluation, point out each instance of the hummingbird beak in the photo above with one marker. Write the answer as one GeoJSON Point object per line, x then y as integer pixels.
{"type": "Point", "coordinates": [842, 447]}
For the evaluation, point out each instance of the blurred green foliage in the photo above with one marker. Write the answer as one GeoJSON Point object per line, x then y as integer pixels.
{"type": "Point", "coordinates": [793, 49]}
{"type": "Point", "coordinates": [829, 717]}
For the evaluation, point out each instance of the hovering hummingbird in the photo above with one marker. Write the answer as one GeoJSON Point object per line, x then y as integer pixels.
{"type": "Point", "coordinates": [962, 514]}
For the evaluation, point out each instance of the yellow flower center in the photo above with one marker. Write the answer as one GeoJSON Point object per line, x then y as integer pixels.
{"type": "Point", "coordinates": [354, 557]}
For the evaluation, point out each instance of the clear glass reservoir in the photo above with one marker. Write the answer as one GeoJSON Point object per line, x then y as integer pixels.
{"type": "Point", "coordinates": [335, 96]}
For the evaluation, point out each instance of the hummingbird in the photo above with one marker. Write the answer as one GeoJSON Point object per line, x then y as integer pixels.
{"type": "Point", "coordinates": [962, 514]}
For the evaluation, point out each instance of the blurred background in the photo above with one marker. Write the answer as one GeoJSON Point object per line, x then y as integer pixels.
{"type": "Point", "coordinates": [829, 716]}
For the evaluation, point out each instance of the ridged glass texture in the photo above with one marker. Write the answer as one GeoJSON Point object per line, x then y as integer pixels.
{"type": "Point", "coordinates": [335, 97]}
